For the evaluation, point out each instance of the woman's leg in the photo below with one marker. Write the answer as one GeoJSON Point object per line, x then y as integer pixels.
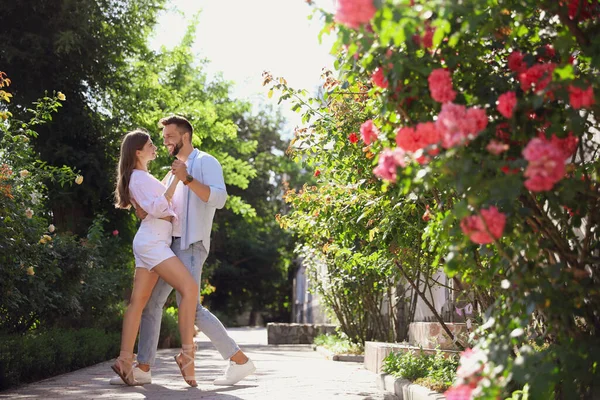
{"type": "Point", "coordinates": [176, 274]}
{"type": "Point", "coordinates": [143, 284]}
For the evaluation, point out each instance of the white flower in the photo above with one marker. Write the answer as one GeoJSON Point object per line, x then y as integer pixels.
{"type": "Point", "coordinates": [79, 179]}
{"type": "Point", "coordinates": [517, 332]}
{"type": "Point", "coordinates": [30, 271]}
{"type": "Point", "coordinates": [29, 213]}
{"type": "Point", "coordinates": [472, 362]}
{"type": "Point", "coordinates": [24, 173]}
{"type": "Point", "coordinates": [51, 228]}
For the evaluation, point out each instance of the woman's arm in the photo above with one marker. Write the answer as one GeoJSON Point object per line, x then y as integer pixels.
{"type": "Point", "coordinates": [171, 189]}
{"type": "Point", "coordinates": [151, 195]}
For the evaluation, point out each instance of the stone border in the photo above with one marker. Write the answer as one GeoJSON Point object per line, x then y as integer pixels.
{"type": "Point", "coordinates": [405, 389]}
{"type": "Point", "coordinates": [328, 354]}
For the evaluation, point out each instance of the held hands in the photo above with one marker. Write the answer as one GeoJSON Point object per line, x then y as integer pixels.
{"type": "Point", "coordinates": [179, 169]}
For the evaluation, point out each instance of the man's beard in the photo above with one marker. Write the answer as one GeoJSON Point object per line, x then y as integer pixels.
{"type": "Point", "coordinates": [176, 149]}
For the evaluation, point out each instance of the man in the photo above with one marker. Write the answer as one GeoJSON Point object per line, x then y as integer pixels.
{"type": "Point", "coordinates": [200, 192]}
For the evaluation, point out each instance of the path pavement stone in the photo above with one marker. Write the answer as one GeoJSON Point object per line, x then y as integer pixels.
{"type": "Point", "coordinates": [285, 372]}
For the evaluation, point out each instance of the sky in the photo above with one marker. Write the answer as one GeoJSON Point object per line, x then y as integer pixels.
{"type": "Point", "coordinates": [242, 38]}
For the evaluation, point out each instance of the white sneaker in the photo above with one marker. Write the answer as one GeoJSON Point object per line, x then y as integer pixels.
{"type": "Point", "coordinates": [141, 376]}
{"type": "Point", "coordinates": [235, 373]}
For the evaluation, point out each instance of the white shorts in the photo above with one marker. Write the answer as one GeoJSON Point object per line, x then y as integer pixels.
{"type": "Point", "coordinates": [152, 243]}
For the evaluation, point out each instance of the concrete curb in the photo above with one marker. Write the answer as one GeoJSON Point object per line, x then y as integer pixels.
{"type": "Point", "coordinates": [375, 353]}
{"type": "Point", "coordinates": [405, 389]}
{"type": "Point", "coordinates": [338, 357]}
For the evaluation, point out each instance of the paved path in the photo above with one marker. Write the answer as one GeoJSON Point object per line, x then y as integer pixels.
{"type": "Point", "coordinates": [285, 372]}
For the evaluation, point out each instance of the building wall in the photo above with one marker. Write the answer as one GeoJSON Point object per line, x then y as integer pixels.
{"type": "Point", "coordinates": [307, 307]}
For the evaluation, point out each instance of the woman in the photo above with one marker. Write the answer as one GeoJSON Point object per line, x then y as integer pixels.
{"type": "Point", "coordinates": [153, 255]}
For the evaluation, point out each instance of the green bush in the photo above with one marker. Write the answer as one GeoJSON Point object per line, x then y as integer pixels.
{"type": "Point", "coordinates": [74, 284]}
{"type": "Point", "coordinates": [169, 329]}
{"type": "Point", "coordinates": [39, 355]}
{"type": "Point", "coordinates": [436, 372]}
{"type": "Point", "coordinates": [338, 344]}
{"type": "Point", "coordinates": [50, 278]}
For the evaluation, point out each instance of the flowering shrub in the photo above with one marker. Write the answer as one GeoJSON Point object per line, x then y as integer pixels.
{"type": "Point", "coordinates": [47, 277]}
{"type": "Point", "coordinates": [505, 174]}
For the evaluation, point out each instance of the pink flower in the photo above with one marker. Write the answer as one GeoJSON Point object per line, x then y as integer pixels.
{"type": "Point", "coordinates": [389, 160]}
{"type": "Point", "coordinates": [428, 37]}
{"type": "Point", "coordinates": [477, 120]}
{"type": "Point", "coordinates": [407, 139]}
{"type": "Point", "coordinates": [475, 226]}
{"type": "Point", "coordinates": [495, 147]}
{"type": "Point", "coordinates": [546, 165]}
{"type": "Point", "coordinates": [369, 132]}
{"type": "Point", "coordinates": [413, 139]}
{"type": "Point", "coordinates": [546, 52]}
{"type": "Point", "coordinates": [353, 138]}
{"type": "Point", "coordinates": [516, 63]}
{"type": "Point", "coordinates": [456, 124]}
{"type": "Point", "coordinates": [507, 103]}
{"type": "Point", "coordinates": [581, 97]}
{"type": "Point", "coordinates": [428, 134]}
{"type": "Point", "coordinates": [354, 13]}
{"type": "Point", "coordinates": [115, 232]}
{"type": "Point", "coordinates": [538, 76]}
{"type": "Point", "coordinates": [460, 392]}
{"type": "Point", "coordinates": [450, 124]}
{"type": "Point", "coordinates": [440, 86]}
{"type": "Point", "coordinates": [379, 78]}
{"type": "Point", "coordinates": [425, 41]}
{"type": "Point", "coordinates": [567, 146]}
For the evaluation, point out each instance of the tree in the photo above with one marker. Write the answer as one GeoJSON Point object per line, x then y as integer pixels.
{"type": "Point", "coordinates": [80, 48]}
{"type": "Point", "coordinates": [252, 253]}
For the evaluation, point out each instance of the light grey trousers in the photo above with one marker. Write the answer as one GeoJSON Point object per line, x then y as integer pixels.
{"type": "Point", "coordinates": [193, 258]}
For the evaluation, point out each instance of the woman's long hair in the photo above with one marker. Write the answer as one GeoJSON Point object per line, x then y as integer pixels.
{"type": "Point", "coordinates": [133, 141]}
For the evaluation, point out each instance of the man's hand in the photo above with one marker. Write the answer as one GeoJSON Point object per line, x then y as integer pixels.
{"type": "Point", "coordinates": [139, 211]}
{"type": "Point", "coordinates": [179, 169]}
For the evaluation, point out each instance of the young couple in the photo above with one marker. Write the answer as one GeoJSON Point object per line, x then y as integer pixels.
{"type": "Point", "coordinates": [170, 249]}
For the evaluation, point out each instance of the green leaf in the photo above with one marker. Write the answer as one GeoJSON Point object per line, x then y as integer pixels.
{"type": "Point", "coordinates": [442, 28]}
{"type": "Point", "coordinates": [566, 72]}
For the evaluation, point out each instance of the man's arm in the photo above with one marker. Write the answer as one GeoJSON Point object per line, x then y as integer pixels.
{"type": "Point", "coordinates": [212, 191]}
